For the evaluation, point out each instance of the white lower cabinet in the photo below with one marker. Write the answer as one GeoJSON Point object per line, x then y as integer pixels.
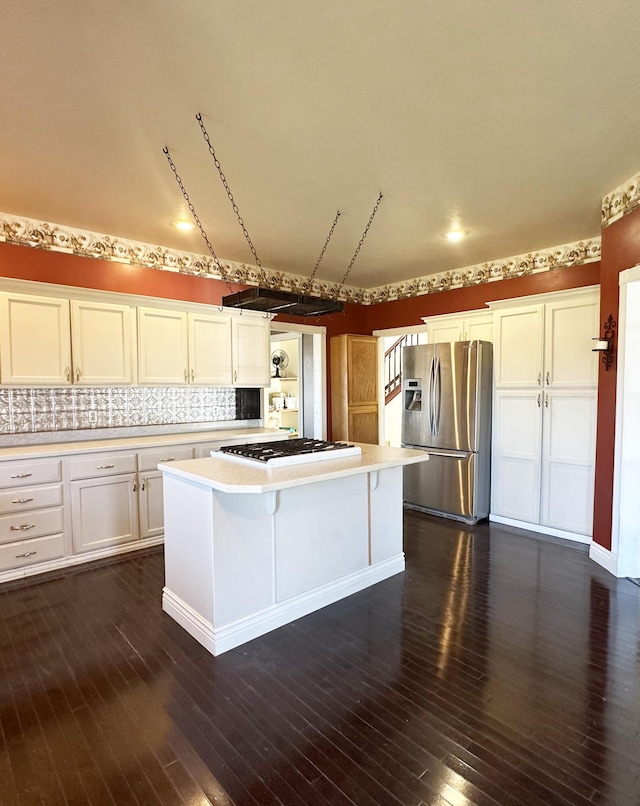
{"type": "Point", "coordinates": [104, 501]}
{"type": "Point", "coordinates": [31, 513]}
{"type": "Point", "coordinates": [150, 498]}
{"type": "Point", "coordinates": [544, 451]}
{"type": "Point", "coordinates": [58, 511]}
{"type": "Point", "coordinates": [104, 511]}
{"type": "Point", "coordinates": [117, 498]}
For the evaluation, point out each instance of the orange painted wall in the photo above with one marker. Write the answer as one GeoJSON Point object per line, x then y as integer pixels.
{"type": "Point", "coordinates": [620, 250]}
{"type": "Point", "coordinates": [406, 312]}
{"type": "Point", "coordinates": [25, 263]}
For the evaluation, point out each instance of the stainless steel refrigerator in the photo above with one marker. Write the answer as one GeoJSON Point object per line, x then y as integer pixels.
{"type": "Point", "coordinates": [446, 411]}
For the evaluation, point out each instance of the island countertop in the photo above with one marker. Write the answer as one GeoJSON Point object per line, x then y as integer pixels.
{"type": "Point", "coordinates": [232, 476]}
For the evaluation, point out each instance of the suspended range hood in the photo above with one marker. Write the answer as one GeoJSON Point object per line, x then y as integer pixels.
{"type": "Point", "coordinates": [268, 300]}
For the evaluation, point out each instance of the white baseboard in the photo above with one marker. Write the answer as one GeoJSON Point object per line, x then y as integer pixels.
{"type": "Point", "coordinates": [221, 639]}
{"type": "Point", "coordinates": [544, 530]}
{"type": "Point", "coordinates": [606, 558]}
{"type": "Point", "coordinates": [78, 559]}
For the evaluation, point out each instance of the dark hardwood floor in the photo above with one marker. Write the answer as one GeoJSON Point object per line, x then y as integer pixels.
{"type": "Point", "coordinates": [499, 669]}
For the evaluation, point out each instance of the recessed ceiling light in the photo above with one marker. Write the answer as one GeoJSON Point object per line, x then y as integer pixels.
{"type": "Point", "coordinates": [185, 226]}
{"type": "Point", "coordinates": [455, 235]}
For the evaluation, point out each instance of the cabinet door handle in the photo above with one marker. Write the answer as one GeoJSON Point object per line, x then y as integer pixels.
{"type": "Point", "coordinates": [77, 374]}
{"type": "Point", "coordinates": [22, 475]}
{"type": "Point", "coordinates": [547, 377]}
{"type": "Point", "coordinates": [22, 501]}
{"type": "Point", "coordinates": [465, 337]}
{"type": "Point", "coordinates": [193, 376]}
{"type": "Point", "coordinates": [539, 378]}
{"type": "Point", "coordinates": [67, 373]}
{"type": "Point", "coordinates": [235, 376]}
{"type": "Point", "coordinates": [186, 376]}
{"type": "Point", "coordinates": [26, 554]}
{"type": "Point", "coordinates": [538, 401]}
{"type": "Point", "coordinates": [143, 485]}
{"type": "Point", "coordinates": [104, 467]}
{"type": "Point", "coordinates": [169, 459]}
{"type": "Point", "coordinates": [135, 486]}
{"type": "Point", "coordinates": [546, 401]}
{"type": "Point", "coordinates": [24, 528]}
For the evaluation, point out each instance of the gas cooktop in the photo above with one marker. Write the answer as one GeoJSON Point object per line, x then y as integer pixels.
{"type": "Point", "coordinates": [288, 452]}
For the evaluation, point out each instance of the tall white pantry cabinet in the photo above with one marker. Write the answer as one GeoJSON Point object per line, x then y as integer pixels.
{"type": "Point", "coordinates": [544, 412]}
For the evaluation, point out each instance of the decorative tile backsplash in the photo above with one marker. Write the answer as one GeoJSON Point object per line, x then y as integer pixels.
{"type": "Point", "coordinates": [34, 410]}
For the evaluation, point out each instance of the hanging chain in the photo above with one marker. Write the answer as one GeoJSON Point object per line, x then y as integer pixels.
{"type": "Point", "coordinates": [223, 179]}
{"type": "Point", "coordinates": [309, 282]}
{"type": "Point", "coordinates": [192, 209]}
{"type": "Point", "coordinates": [358, 247]}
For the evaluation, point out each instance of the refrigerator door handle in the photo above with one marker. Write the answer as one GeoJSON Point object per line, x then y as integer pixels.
{"type": "Point", "coordinates": [449, 454]}
{"type": "Point", "coordinates": [430, 396]}
{"type": "Point", "coordinates": [437, 397]}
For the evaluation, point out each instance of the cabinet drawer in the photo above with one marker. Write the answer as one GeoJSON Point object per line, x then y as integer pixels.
{"type": "Point", "coordinates": [24, 525]}
{"type": "Point", "coordinates": [49, 495]}
{"type": "Point", "coordinates": [15, 474]}
{"type": "Point", "coordinates": [27, 552]}
{"type": "Point", "coordinates": [149, 460]}
{"type": "Point", "coordinates": [102, 464]}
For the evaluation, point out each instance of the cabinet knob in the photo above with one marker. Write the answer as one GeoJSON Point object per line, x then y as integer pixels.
{"type": "Point", "coordinates": [24, 528]}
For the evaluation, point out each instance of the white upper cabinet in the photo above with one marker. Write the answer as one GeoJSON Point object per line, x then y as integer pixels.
{"type": "Point", "coordinates": [47, 341]}
{"type": "Point", "coordinates": [102, 343]}
{"type": "Point", "coordinates": [518, 346]}
{"type": "Point", "coordinates": [163, 351]}
{"type": "Point", "coordinates": [35, 340]}
{"type": "Point", "coordinates": [569, 331]}
{"type": "Point", "coordinates": [52, 341]}
{"type": "Point", "coordinates": [250, 350]}
{"type": "Point", "coordinates": [460, 327]}
{"type": "Point", "coordinates": [210, 349]}
{"type": "Point", "coordinates": [176, 347]}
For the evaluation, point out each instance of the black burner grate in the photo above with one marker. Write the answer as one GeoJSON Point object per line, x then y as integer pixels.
{"type": "Point", "coordinates": [264, 451]}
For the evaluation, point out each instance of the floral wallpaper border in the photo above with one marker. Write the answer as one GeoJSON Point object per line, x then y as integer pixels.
{"type": "Point", "coordinates": [621, 201]}
{"type": "Point", "coordinates": [54, 237]}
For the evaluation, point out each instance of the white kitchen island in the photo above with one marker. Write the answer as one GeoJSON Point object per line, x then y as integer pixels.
{"type": "Point", "coordinates": [249, 548]}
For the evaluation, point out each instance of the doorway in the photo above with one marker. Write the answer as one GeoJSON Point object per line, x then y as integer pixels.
{"type": "Point", "coordinates": [296, 399]}
{"type": "Point", "coordinates": [390, 345]}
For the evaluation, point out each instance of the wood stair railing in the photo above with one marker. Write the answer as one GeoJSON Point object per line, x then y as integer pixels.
{"type": "Point", "coordinates": [393, 366]}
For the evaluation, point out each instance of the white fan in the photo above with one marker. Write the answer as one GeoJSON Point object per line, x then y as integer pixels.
{"type": "Point", "coordinates": [280, 361]}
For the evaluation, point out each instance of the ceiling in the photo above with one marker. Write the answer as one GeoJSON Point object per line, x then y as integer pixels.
{"type": "Point", "coordinates": [510, 120]}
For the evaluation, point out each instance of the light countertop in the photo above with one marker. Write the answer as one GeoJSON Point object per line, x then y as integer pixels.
{"type": "Point", "coordinates": [135, 442]}
{"type": "Point", "coordinates": [230, 476]}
